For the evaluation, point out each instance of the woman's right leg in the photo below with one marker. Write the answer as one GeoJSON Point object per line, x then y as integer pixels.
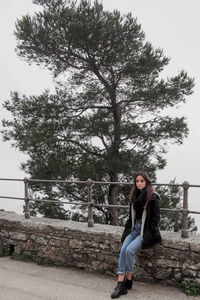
{"type": "Point", "coordinates": [120, 288]}
{"type": "Point", "coordinates": [131, 251]}
{"type": "Point", "coordinates": [122, 257]}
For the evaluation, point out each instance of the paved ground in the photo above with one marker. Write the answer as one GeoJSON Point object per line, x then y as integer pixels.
{"type": "Point", "coordinates": [29, 281]}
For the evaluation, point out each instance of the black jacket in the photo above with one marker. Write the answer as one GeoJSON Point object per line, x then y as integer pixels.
{"type": "Point", "coordinates": [151, 234]}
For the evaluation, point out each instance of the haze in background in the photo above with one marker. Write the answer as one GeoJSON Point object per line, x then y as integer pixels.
{"type": "Point", "coordinates": [170, 25]}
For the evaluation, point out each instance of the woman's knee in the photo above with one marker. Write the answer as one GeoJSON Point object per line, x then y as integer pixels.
{"type": "Point", "coordinates": [130, 250]}
{"type": "Point", "coordinates": [123, 250]}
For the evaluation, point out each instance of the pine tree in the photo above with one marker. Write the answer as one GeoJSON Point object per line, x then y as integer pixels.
{"type": "Point", "coordinates": [106, 119]}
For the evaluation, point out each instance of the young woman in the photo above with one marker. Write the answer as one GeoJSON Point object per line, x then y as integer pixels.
{"type": "Point", "coordinates": [141, 229]}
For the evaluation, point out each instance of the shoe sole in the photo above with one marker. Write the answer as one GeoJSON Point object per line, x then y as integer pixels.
{"type": "Point", "coordinates": [121, 294]}
{"type": "Point", "coordinates": [124, 293]}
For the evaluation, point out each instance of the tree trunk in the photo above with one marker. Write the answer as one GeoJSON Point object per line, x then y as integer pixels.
{"type": "Point", "coordinates": [112, 200]}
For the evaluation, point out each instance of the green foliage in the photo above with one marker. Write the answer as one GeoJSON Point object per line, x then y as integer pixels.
{"type": "Point", "coordinates": [20, 256]}
{"type": "Point", "coordinates": [172, 198]}
{"type": "Point", "coordinates": [38, 260]}
{"type": "Point", "coordinates": [41, 261]}
{"type": "Point", "coordinates": [190, 288]}
{"type": "Point", "coordinates": [106, 119]}
{"type": "Point", "coordinates": [4, 250]}
{"type": "Point", "coordinates": [26, 258]}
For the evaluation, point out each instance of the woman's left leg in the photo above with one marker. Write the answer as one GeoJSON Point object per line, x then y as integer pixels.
{"type": "Point", "coordinates": [122, 285]}
{"type": "Point", "coordinates": [131, 251]}
{"type": "Point", "coordinates": [122, 258]}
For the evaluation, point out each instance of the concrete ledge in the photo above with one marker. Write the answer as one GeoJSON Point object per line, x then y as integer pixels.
{"type": "Point", "coordinates": [97, 248]}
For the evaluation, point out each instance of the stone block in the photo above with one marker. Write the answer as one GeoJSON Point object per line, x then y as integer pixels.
{"type": "Point", "coordinates": [103, 246]}
{"type": "Point", "coordinates": [101, 256]}
{"type": "Point", "coordinates": [19, 236]}
{"type": "Point", "coordinates": [12, 242]}
{"type": "Point", "coordinates": [4, 234]}
{"type": "Point", "coordinates": [75, 243]}
{"type": "Point", "coordinates": [195, 267]}
{"type": "Point", "coordinates": [189, 273]}
{"type": "Point", "coordinates": [177, 276]}
{"type": "Point", "coordinates": [190, 265]}
{"type": "Point", "coordinates": [41, 240]}
{"type": "Point", "coordinates": [29, 245]}
{"type": "Point", "coordinates": [195, 247]}
{"type": "Point", "coordinates": [197, 281]}
{"type": "Point", "coordinates": [173, 244]}
{"type": "Point", "coordinates": [56, 243]}
{"type": "Point", "coordinates": [142, 274]}
{"type": "Point", "coordinates": [163, 273]}
{"type": "Point", "coordinates": [165, 263]}
{"type": "Point", "coordinates": [110, 259]}
{"type": "Point", "coordinates": [149, 264]}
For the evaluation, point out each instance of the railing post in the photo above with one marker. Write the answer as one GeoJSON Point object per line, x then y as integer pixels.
{"type": "Point", "coordinates": [90, 204]}
{"type": "Point", "coordinates": [184, 230]}
{"type": "Point", "coordinates": [26, 198]}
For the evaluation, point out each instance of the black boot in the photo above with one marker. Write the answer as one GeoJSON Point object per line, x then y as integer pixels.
{"type": "Point", "coordinates": [119, 290]}
{"type": "Point", "coordinates": [128, 283]}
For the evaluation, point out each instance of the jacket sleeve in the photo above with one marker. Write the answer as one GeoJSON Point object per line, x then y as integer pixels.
{"type": "Point", "coordinates": [154, 212]}
{"type": "Point", "coordinates": [129, 221]}
{"type": "Point", "coordinates": [151, 231]}
{"type": "Point", "coordinates": [128, 226]}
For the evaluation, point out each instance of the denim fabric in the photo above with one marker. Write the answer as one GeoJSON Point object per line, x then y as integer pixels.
{"type": "Point", "coordinates": [131, 245]}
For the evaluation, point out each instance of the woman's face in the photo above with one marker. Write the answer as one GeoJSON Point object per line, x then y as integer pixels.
{"type": "Point", "coordinates": [140, 182]}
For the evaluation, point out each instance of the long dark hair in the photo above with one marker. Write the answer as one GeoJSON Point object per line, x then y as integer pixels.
{"type": "Point", "coordinates": [148, 190]}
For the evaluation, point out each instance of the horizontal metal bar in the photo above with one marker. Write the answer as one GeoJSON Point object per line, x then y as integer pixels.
{"type": "Point", "coordinates": [59, 202]}
{"type": "Point", "coordinates": [10, 179]}
{"type": "Point", "coordinates": [194, 185]}
{"type": "Point", "coordinates": [11, 198]}
{"type": "Point", "coordinates": [167, 184]}
{"type": "Point", "coordinates": [57, 181]}
{"type": "Point", "coordinates": [194, 212]}
{"type": "Point", "coordinates": [112, 182]}
{"type": "Point", "coordinates": [131, 183]}
{"type": "Point", "coordinates": [107, 205]}
{"type": "Point", "coordinates": [81, 182]}
{"type": "Point", "coordinates": [127, 206]}
{"type": "Point", "coordinates": [171, 209]}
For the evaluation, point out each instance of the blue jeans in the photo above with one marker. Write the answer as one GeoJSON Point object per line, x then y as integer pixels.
{"type": "Point", "coordinates": [131, 245]}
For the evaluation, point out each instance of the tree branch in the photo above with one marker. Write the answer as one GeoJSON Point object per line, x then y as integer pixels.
{"type": "Point", "coordinates": [103, 141]}
{"type": "Point", "coordinates": [87, 150]}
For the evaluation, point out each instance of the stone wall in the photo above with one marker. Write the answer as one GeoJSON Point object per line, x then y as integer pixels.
{"type": "Point", "coordinates": [69, 243]}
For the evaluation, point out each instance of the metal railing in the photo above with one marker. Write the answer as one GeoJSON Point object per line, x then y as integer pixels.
{"type": "Point", "coordinates": [90, 203]}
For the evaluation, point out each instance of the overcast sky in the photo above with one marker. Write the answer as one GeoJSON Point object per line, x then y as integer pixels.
{"type": "Point", "coordinates": [172, 25]}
